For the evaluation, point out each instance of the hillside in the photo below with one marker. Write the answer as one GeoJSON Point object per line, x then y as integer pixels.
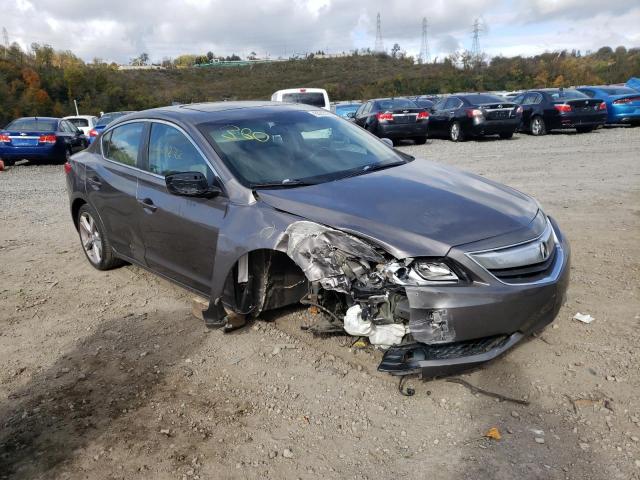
{"type": "Point", "coordinates": [45, 82]}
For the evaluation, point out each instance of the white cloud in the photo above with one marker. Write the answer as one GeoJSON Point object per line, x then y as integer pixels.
{"type": "Point", "coordinates": [120, 29]}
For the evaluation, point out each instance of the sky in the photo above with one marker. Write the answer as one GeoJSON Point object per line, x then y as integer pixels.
{"type": "Point", "coordinates": [118, 30]}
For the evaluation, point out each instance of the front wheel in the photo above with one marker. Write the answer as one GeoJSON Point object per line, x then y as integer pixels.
{"type": "Point", "coordinates": [455, 132]}
{"type": "Point", "coordinates": [537, 126]}
{"type": "Point", "coordinates": [506, 135]}
{"type": "Point", "coordinates": [584, 129]}
{"type": "Point", "coordinates": [420, 141]}
{"type": "Point", "coordinates": [94, 240]}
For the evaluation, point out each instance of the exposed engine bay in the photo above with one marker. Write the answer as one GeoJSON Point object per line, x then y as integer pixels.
{"type": "Point", "coordinates": [372, 284]}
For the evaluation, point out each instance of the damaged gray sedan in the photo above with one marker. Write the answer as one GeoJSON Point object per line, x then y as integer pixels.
{"type": "Point", "coordinates": [261, 205]}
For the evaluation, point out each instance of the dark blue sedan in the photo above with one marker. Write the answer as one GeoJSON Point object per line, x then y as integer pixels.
{"type": "Point", "coordinates": [104, 120]}
{"type": "Point", "coordinates": [40, 139]}
{"type": "Point", "coordinates": [623, 103]}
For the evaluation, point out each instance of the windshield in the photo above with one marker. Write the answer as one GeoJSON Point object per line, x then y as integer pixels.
{"type": "Point", "coordinates": [294, 146]}
{"type": "Point", "coordinates": [566, 94]}
{"type": "Point", "coordinates": [33, 125]}
{"type": "Point", "coordinates": [107, 118]}
{"type": "Point", "coordinates": [315, 99]}
{"type": "Point", "coordinates": [393, 103]}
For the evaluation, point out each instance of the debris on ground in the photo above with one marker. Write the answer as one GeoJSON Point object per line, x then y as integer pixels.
{"type": "Point", "coordinates": [493, 433]}
{"type": "Point", "coordinates": [584, 318]}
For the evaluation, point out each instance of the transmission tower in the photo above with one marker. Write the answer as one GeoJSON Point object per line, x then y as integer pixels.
{"type": "Point", "coordinates": [478, 29]}
{"type": "Point", "coordinates": [379, 47]}
{"type": "Point", "coordinates": [424, 49]}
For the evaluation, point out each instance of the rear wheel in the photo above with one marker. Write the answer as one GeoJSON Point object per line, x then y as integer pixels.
{"type": "Point", "coordinates": [67, 156]}
{"type": "Point", "coordinates": [455, 132]}
{"type": "Point", "coordinates": [420, 141]}
{"type": "Point", "coordinates": [8, 163]}
{"type": "Point", "coordinates": [537, 126]}
{"type": "Point", "coordinates": [584, 129]}
{"type": "Point", "coordinates": [94, 240]}
{"type": "Point", "coordinates": [506, 135]}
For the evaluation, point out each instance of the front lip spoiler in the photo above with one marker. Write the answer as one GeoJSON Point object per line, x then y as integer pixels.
{"type": "Point", "coordinates": [395, 359]}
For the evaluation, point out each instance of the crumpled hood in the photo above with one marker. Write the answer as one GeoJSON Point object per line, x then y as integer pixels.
{"type": "Point", "coordinates": [417, 209]}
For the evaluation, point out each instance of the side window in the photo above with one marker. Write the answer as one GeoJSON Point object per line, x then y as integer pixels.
{"type": "Point", "coordinates": [71, 128]}
{"type": "Point", "coordinates": [123, 143]}
{"type": "Point", "coordinates": [367, 108]}
{"type": "Point", "coordinates": [537, 99]}
{"type": "Point", "coordinates": [529, 99]}
{"type": "Point", "coordinates": [518, 99]}
{"type": "Point", "coordinates": [63, 127]}
{"type": "Point", "coordinates": [170, 151]}
{"type": "Point", "coordinates": [589, 93]}
{"type": "Point", "coordinates": [451, 103]}
{"type": "Point", "coordinates": [440, 104]}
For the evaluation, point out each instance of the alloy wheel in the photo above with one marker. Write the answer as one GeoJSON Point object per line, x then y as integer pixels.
{"type": "Point", "coordinates": [537, 127]}
{"type": "Point", "coordinates": [455, 132]}
{"type": "Point", "coordinates": [90, 238]}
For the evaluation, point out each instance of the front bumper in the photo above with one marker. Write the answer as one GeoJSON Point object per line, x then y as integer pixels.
{"type": "Point", "coordinates": [403, 130]}
{"type": "Point", "coordinates": [478, 322]}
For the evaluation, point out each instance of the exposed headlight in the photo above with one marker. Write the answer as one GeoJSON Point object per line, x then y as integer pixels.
{"type": "Point", "coordinates": [434, 271]}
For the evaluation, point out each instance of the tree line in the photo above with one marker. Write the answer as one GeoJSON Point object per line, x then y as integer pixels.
{"type": "Point", "coordinates": [43, 81]}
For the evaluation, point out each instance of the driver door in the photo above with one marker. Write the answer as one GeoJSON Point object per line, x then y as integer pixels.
{"type": "Point", "coordinates": [180, 234]}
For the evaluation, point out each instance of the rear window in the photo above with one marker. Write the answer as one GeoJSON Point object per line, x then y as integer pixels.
{"type": "Point", "coordinates": [79, 122]}
{"type": "Point", "coordinates": [619, 91]}
{"type": "Point", "coordinates": [344, 109]}
{"type": "Point", "coordinates": [308, 98]}
{"type": "Point", "coordinates": [394, 103]}
{"type": "Point", "coordinates": [33, 125]}
{"type": "Point", "coordinates": [481, 99]}
{"type": "Point", "coordinates": [566, 94]}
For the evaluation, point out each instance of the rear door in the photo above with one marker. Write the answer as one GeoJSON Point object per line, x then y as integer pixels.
{"type": "Point", "coordinates": [180, 233]}
{"type": "Point", "coordinates": [111, 184]}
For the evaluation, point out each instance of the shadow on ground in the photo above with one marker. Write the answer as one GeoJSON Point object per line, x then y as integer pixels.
{"type": "Point", "coordinates": [108, 374]}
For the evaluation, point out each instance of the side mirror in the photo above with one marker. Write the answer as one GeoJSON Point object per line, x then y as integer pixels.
{"type": "Point", "coordinates": [387, 141]}
{"type": "Point", "coordinates": [191, 184]}
{"type": "Point", "coordinates": [351, 115]}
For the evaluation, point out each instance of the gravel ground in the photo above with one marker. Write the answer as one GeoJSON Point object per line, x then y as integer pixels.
{"type": "Point", "coordinates": [108, 376]}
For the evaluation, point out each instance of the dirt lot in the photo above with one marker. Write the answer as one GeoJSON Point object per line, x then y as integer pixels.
{"type": "Point", "coordinates": [107, 375]}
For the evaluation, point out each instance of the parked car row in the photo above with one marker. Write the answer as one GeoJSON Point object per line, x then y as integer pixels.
{"type": "Point", "coordinates": [48, 139]}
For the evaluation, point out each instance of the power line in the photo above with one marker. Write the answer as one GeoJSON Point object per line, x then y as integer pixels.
{"type": "Point", "coordinates": [425, 57]}
{"type": "Point", "coordinates": [379, 46]}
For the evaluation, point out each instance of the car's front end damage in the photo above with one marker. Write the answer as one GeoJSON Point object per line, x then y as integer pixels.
{"type": "Point", "coordinates": [435, 316]}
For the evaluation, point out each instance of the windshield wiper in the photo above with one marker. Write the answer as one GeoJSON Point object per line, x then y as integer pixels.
{"type": "Point", "coordinates": [372, 168]}
{"type": "Point", "coordinates": [286, 183]}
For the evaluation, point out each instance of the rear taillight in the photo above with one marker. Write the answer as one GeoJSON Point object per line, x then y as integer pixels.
{"type": "Point", "coordinates": [47, 139]}
{"type": "Point", "coordinates": [67, 168]}
{"type": "Point", "coordinates": [384, 117]}
{"type": "Point", "coordinates": [563, 107]}
{"type": "Point", "coordinates": [474, 112]}
{"type": "Point", "coordinates": [93, 133]}
{"type": "Point", "coordinates": [602, 106]}
{"type": "Point", "coordinates": [623, 101]}
{"type": "Point", "coordinates": [4, 138]}
{"type": "Point", "coordinates": [423, 115]}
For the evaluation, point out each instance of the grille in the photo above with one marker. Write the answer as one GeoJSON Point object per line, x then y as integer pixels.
{"type": "Point", "coordinates": [527, 273]}
{"type": "Point", "coordinates": [407, 357]}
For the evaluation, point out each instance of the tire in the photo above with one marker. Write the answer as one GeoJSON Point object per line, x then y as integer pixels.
{"type": "Point", "coordinates": [537, 126]}
{"type": "Point", "coordinates": [455, 132]}
{"type": "Point", "coordinates": [506, 135]}
{"type": "Point", "coordinates": [420, 141]}
{"type": "Point", "coordinates": [66, 157]}
{"type": "Point", "coordinates": [395, 141]}
{"type": "Point", "coordinates": [584, 129]}
{"type": "Point", "coordinates": [9, 163]}
{"type": "Point", "coordinates": [94, 240]}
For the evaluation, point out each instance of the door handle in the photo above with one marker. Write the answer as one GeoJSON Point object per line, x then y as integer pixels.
{"type": "Point", "coordinates": [147, 204]}
{"type": "Point", "coordinates": [94, 181]}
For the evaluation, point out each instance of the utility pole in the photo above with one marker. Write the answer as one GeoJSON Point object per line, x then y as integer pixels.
{"type": "Point", "coordinates": [379, 46]}
{"type": "Point", "coordinates": [424, 49]}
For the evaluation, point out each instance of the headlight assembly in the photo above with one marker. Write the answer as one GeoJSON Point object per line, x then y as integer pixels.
{"type": "Point", "coordinates": [420, 272]}
{"type": "Point", "coordinates": [434, 271]}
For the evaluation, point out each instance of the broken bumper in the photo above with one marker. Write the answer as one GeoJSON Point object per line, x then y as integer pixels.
{"type": "Point", "coordinates": [476, 323]}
